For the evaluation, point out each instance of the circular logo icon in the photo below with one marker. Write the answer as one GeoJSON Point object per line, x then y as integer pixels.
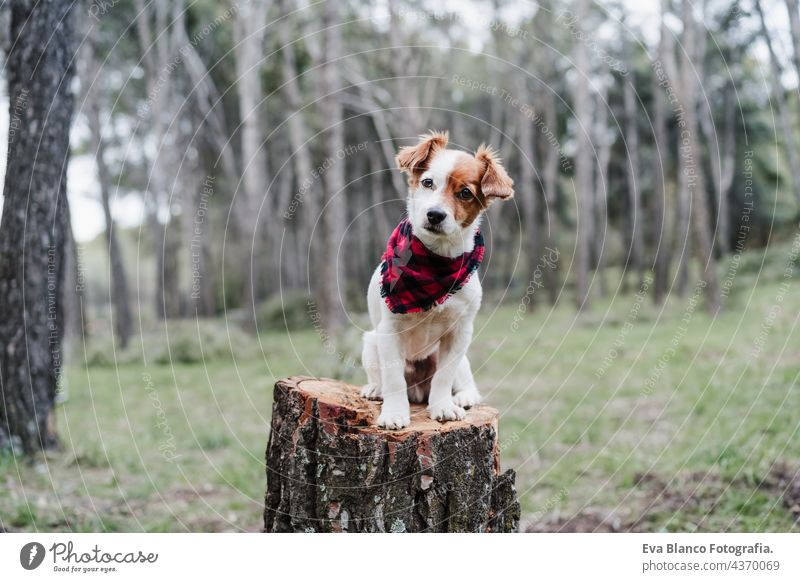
{"type": "Point", "coordinates": [31, 555]}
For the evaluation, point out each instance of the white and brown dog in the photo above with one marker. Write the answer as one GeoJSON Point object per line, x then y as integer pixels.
{"type": "Point", "coordinates": [422, 300]}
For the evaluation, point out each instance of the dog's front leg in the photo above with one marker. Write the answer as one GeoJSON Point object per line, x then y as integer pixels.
{"type": "Point", "coordinates": [452, 350]}
{"type": "Point", "coordinates": [465, 392]}
{"type": "Point", "coordinates": [370, 359]}
{"type": "Point", "coordinates": [395, 411]}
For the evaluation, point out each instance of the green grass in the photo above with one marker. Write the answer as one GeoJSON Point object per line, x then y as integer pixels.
{"type": "Point", "coordinates": [706, 444]}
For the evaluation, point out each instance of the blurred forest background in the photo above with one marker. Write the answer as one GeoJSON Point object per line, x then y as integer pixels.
{"type": "Point", "coordinates": [236, 156]}
{"type": "Point", "coordinates": [232, 186]}
{"type": "Point", "coordinates": [243, 154]}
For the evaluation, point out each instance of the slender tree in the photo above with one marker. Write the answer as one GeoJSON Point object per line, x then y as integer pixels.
{"type": "Point", "coordinates": [527, 187]}
{"type": "Point", "coordinates": [722, 153]}
{"type": "Point", "coordinates": [778, 94]}
{"type": "Point", "coordinates": [720, 144]}
{"type": "Point", "coordinates": [794, 27]}
{"type": "Point", "coordinates": [249, 30]}
{"type": "Point", "coordinates": [635, 222]}
{"type": "Point", "coordinates": [197, 178]}
{"type": "Point", "coordinates": [605, 139]}
{"type": "Point", "coordinates": [547, 125]}
{"type": "Point", "coordinates": [34, 222]}
{"type": "Point", "coordinates": [583, 161]}
{"type": "Point", "coordinates": [120, 297]}
{"type": "Point", "coordinates": [334, 214]}
{"type": "Point", "coordinates": [682, 207]}
{"type": "Point", "coordinates": [301, 158]}
{"type": "Point", "coordinates": [691, 155]}
{"type": "Point", "coordinates": [405, 66]}
{"type": "Point", "coordinates": [156, 53]}
{"type": "Point", "coordinates": [661, 241]}
{"type": "Point", "coordinates": [76, 304]}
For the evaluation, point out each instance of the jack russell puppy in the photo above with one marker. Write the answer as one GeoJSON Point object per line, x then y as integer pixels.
{"type": "Point", "coordinates": [422, 298]}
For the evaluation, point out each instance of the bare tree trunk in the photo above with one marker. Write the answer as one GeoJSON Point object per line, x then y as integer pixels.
{"type": "Point", "coordinates": [682, 240]}
{"type": "Point", "coordinates": [722, 157]}
{"type": "Point", "coordinates": [506, 218]}
{"type": "Point", "coordinates": [35, 222]}
{"type": "Point", "coordinates": [721, 153]}
{"type": "Point", "coordinates": [583, 164]}
{"type": "Point", "coordinates": [155, 58]}
{"type": "Point", "coordinates": [551, 191]}
{"type": "Point", "coordinates": [120, 297]}
{"type": "Point", "coordinates": [635, 217]}
{"type": "Point", "coordinates": [549, 153]}
{"type": "Point", "coordinates": [334, 210]}
{"type": "Point", "coordinates": [289, 266]}
{"type": "Point", "coordinates": [601, 193]}
{"type": "Point", "coordinates": [360, 270]}
{"type": "Point", "coordinates": [379, 198]}
{"type": "Point", "coordinates": [74, 293]}
{"type": "Point", "coordinates": [367, 102]}
{"type": "Point", "coordinates": [173, 299]}
{"type": "Point", "coordinates": [203, 99]}
{"type": "Point", "coordinates": [204, 303]}
{"type": "Point", "coordinates": [528, 191]}
{"type": "Point", "coordinates": [404, 67]}
{"type": "Point", "coordinates": [165, 278]}
{"type": "Point", "coordinates": [197, 175]}
{"type": "Point", "coordinates": [249, 30]}
{"type": "Point", "coordinates": [198, 190]}
{"type": "Point", "coordinates": [794, 27]}
{"type": "Point", "coordinates": [307, 185]}
{"type": "Point", "coordinates": [156, 230]}
{"type": "Point", "coordinates": [691, 151]}
{"type": "Point", "coordinates": [682, 218]}
{"type": "Point", "coordinates": [784, 114]}
{"type": "Point", "coordinates": [661, 241]}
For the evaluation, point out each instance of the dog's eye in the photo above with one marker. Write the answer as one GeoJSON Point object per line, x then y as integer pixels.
{"type": "Point", "coordinates": [464, 194]}
{"type": "Point", "coordinates": [427, 183]}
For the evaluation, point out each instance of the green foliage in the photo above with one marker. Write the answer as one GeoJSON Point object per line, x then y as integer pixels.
{"type": "Point", "coordinates": [177, 342]}
{"type": "Point", "coordinates": [286, 311]}
{"type": "Point", "coordinates": [102, 353]}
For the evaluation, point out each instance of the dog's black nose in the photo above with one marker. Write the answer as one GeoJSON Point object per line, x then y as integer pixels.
{"type": "Point", "coordinates": [436, 215]}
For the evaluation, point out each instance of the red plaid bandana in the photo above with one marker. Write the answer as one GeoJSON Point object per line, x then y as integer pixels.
{"type": "Point", "coordinates": [415, 279]}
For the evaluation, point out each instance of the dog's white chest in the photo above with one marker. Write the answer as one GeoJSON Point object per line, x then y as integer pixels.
{"type": "Point", "coordinates": [421, 333]}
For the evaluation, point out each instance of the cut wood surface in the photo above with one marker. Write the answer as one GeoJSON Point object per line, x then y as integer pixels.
{"type": "Point", "coordinates": [329, 468]}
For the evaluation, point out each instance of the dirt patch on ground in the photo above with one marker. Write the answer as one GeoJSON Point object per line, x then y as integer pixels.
{"type": "Point", "coordinates": [652, 496]}
{"type": "Point", "coordinates": [687, 493]}
{"type": "Point", "coordinates": [784, 481]}
{"type": "Point", "coordinates": [589, 521]}
{"type": "Point", "coordinates": [695, 494]}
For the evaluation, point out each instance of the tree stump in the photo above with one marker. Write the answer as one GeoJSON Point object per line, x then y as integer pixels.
{"type": "Point", "coordinates": [330, 469]}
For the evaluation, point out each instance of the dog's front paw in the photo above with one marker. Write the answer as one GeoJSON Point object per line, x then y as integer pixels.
{"type": "Point", "coordinates": [371, 391]}
{"type": "Point", "coordinates": [443, 411]}
{"type": "Point", "coordinates": [394, 419]}
{"type": "Point", "coordinates": [467, 398]}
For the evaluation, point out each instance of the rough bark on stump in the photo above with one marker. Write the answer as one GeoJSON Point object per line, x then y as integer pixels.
{"type": "Point", "coordinates": [330, 469]}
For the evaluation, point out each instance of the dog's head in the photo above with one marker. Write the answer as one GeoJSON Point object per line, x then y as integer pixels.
{"type": "Point", "coordinates": [448, 190]}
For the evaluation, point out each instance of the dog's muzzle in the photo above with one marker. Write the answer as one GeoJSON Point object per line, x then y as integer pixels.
{"type": "Point", "coordinates": [435, 218]}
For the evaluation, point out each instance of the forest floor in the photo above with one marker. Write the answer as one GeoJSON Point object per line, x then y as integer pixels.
{"type": "Point", "coordinates": [631, 417]}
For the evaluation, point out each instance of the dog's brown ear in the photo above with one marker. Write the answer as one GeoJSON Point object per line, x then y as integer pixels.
{"type": "Point", "coordinates": [496, 184]}
{"type": "Point", "coordinates": [415, 159]}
